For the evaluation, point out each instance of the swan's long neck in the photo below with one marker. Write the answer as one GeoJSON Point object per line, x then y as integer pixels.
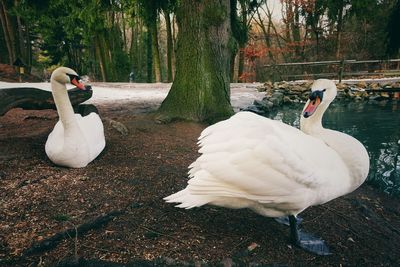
{"type": "Point", "coordinates": [313, 124]}
{"type": "Point", "coordinates": [352, 152]}
{"type": "Point", "coordinates": [63, 104]}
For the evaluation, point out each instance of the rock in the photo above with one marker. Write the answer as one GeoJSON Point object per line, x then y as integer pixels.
{"type": "Point", "coordinates": [385, 95]}
{"type": "Point", "coordinates": [277, 98]}
{"type": "Point", "coordinates": [374, 86]}
{"type": "Point", "coordinates": [287, 100]}
{"type": "Point", "coordinates": [264, 105]}
{"type": "Point", "coordinates": [341, 86]}
{"type": "Point", "coordinates": [254, 109]}
{"type": "Point", "coordinates": [120, 127]}
{"type": "Point", "coordinates": [375, 97]}
{"type": "Point", "coordinates": [395, 85]}
{"type": "Point", "coordinates": [252, 246]}
{"type": "Point", "coordinates": [282, 86]}
{"type": "Point", "coordinates": [351, 239]}
{"type": "Point", "coordinates": [283, 92]}
{"type": "Point", "coordinates": [362, 84]}
{"type": "Point", "coordinates": [298, 88]}
{"type": "Point", "coordinates": [261, 88]}
{"type": "Point", "coordinates": [265, 87]}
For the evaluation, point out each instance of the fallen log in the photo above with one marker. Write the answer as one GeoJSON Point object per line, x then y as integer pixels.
{"type": "Point", "coordinates": [53, 241]}
{"type": "Point", "coordinates": [33, 98]}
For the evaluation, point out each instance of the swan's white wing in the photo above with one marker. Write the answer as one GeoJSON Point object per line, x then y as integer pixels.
{"type": "Point", "coordinates": [93, 132]}
{"type": "Point", "coordinates": [258, 159]}
{"type": "Point", "coordinates": [55, 140]}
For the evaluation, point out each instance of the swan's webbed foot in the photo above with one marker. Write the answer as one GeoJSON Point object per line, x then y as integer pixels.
{"type": "Point", "coordinates": [306, 241]}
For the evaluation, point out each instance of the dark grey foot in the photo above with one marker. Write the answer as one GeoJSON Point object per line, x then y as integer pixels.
{"type": "Point", "coordinates": [306, 241]}
{"type": "Point", "coordinates": [285, 220]}
{"type": "Point", "coordinates": [312, 244]}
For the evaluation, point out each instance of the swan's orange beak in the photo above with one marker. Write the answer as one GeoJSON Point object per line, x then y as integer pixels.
{"type": "Point", "coordinates": [311, 107]}
{"type": "Point", "coordinates": [77, 83]}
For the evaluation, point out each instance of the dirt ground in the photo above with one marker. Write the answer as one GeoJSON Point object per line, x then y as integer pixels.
{"type": "Point", "coordinates": [115, 204]}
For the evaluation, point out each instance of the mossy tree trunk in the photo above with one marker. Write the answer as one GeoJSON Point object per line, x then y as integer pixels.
{"type": "Point", "coordinates": [170, 47]}
{"type": "Point", "coordinates": [200, 91]}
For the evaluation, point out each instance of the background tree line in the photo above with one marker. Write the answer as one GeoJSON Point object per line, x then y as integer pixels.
{"type": "Point", "coordinates": [109, 39]}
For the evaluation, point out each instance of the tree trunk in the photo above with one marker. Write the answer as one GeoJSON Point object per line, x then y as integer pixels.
{"type": "Point", "coordinates": [288, 19]}
{"type": "Point", "coordinates": [242, 44]}
{"type": "Point", "coordinates": [200, 91]}
{"type": "Point", "coordinates": [155, 50]}
{"type": "Point", "coordinates": [174, 31]}
{"type": "Point", "coordinates": [8, 34]}
{"type": "Point", "coordinates": [149, 57]}
{"type": "Point", "coordinates": [29, 47]}
{"type": "Point", "coordinates": [100, 59]}
{"type": "Point", "coordinates": [241, 61]}
{"type": "Point", "coordinates": [169, 46]}
{"type": "Point", "coordinates": [339, 32]}
{"type": "Point", "coordinates": [296, 29]}
{"type": "Point", "coordinates": [124, 32]}
{"type": "Point", "coordinates": [4, 58]}
{"type": "Point", "coordinates": [232, 63]}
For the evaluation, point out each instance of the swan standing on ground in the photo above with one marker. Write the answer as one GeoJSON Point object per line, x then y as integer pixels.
{"type": "Point", "coordinates": [75, 140]}
{"type": "Point", "coordinates": [249, 161]}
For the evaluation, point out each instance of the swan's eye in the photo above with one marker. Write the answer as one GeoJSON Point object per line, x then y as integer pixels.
{"type": "Point", "coordinates": [315, 94]}
{"type": "Point", "coordinates": [73, 77]}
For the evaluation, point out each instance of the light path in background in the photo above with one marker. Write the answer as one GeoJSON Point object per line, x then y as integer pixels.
{"type": "Point", "coordinates": [242, 94]}
{"type": "Point", "coordinates": [147, 96]}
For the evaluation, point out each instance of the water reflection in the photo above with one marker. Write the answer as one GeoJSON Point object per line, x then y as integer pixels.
{"type": "Point", "coordinates": [376, 125]}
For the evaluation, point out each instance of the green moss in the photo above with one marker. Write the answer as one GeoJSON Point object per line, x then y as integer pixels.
{"type": "Point", "coordinates": [214, 14]}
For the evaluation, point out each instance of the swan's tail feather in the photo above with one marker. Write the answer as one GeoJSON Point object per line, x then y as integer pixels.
{"type": "Point", "coordinates": [187, 200]}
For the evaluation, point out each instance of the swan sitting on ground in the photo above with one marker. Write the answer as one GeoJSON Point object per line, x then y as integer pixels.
{"type": "Point", "coordinates": [75, 140]}
{"type": "Point", "coordinates": [249, 161]}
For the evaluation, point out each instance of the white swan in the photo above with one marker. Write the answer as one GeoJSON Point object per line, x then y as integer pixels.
{"type": "Point", "coordinates": [249, 161]}
{"type": "Point", "coordinates": [75, 140]}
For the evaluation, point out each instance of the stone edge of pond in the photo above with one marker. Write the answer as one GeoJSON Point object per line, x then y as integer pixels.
{"type": "Point", "coordinates": [286, 93]}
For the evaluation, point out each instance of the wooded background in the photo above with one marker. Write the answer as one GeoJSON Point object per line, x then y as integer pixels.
{"type": "Point", "coordinates": [110, 39]}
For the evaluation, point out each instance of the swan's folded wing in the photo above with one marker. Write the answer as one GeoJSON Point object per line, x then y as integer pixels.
{"type": "Point", "coordinates": [54, 143]}
{"type": "Point", "coordinates": [93, 131]}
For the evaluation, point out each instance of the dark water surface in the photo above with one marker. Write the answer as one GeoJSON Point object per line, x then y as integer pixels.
{"type": "Point", "coordinates": [376, 125]}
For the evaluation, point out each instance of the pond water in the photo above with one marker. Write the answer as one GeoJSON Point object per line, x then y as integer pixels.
{"type": "Point", "coordinates": [376, 125]}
